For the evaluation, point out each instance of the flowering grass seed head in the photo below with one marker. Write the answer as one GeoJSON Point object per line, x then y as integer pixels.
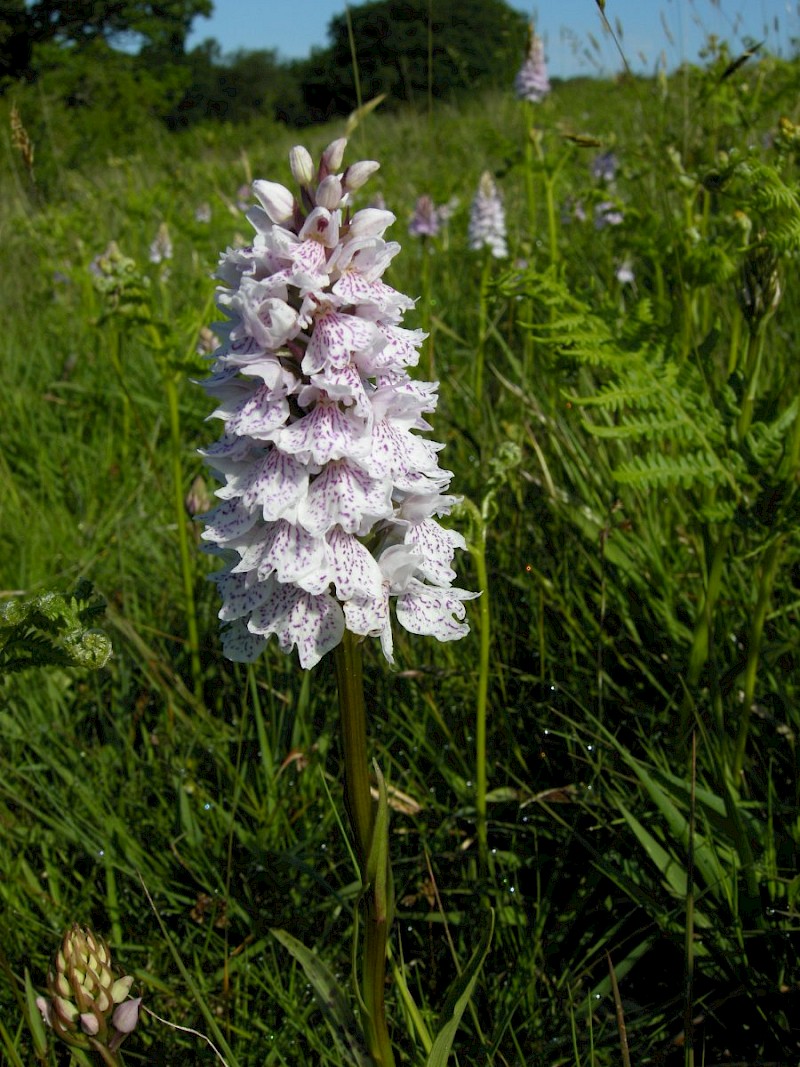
{"type": "Point", "coordinates": [330, 497]}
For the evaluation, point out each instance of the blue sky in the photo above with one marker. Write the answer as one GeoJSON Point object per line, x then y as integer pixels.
{"type": "Point", "coordinates": [293, 27]}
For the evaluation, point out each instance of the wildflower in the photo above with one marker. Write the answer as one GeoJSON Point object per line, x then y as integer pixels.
{"type": "Point", "coordinates": [86, 1000]}
{"type": "Point", "coordinates": [202, 213]}
{"type": "Point", "coordinates": [161, 246]}
{"type": "Point", "coordinates": [487, 221]}
{"type": "Point", "coordinates": [328, 511]}
{"type": "Point", "coordinates": [604, 167]}
{"type": "Point", "coordinates": [572, 211]}
{"type": "Point", "coordinates": [624, 273]}
{"type": "Point", "coordinates": [243, 197]}
{"type": "Point", "coordinates": [426, 220]}
{"type": "Point", "coordinates": [532, 82]}
{"type": "Point", "coordinates": [607, 213]}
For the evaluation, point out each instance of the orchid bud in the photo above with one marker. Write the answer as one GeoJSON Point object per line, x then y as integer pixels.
{"type": "Point", "coordinates": [356, 175]}
{"type": "Point", "coordinates": [329, 193]}
{"type": "Point", "coordinates": [332, 157]}
{"type": "Point", "coordinates": [302, 166]}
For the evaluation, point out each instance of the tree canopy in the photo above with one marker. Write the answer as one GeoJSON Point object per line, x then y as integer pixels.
{"type": "Point", "coordinates": [130, 55]}
{"type": "Point", "coordinates": [408, 48]}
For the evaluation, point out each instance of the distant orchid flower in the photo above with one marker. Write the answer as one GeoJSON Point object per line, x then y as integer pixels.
{"type": "Point", "coordinates": [161, 245]}
{"type": "Point", "coordinates": [624, 273]}
{"type": "Point", "coordinates": [329, 503]}
{"type": "Point", "coordinates": [607, 213]}
{"type": "Point", "coordinates": [532, 82]}
{"type": "Point", "coordinates": [202, 213]}
{"type": "Point", "coordinates": [604, 167]}
{"type": "Point", "coordinates": [425, 222]}
{"type": "Point", "coordinates": [487, 221]}
{"type": "Point", "coordinates": [243, 197]}
{"type": "Point", "coordinates": [572, 211]}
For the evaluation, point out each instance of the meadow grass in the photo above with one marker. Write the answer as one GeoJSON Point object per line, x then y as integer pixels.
{"type": "Point", "coordinates": [641, 567]}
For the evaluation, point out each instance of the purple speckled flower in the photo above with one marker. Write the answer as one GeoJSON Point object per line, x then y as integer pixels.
{"type": "Point", "coordinates": [487, 220]}
{"type": "Point", "coordinates": [425, 222]}
{"type": "Point", "coordinates": [428, 219]}
{"type": "Point", "coordinates": [532, 82]}
{"type": "Point", "coordinates": [328, 509]}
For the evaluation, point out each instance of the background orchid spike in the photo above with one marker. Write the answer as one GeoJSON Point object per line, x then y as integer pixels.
{"type": "Point", "coordinates": [532, 82]}
{"type": "Point", "coordinates": [330, 498]}
{"type": "Point", "coordinates": [487, 220]}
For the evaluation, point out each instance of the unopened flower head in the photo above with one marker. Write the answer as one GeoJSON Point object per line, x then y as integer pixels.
{"type": "Point", "coordinates": [532, 82]}
{"type": "Point", "coordinates": [487, 220]}
{"type": "Point", "coordinates": [84, 993]}
{"type": "Point", "coordinates": [330, 497]}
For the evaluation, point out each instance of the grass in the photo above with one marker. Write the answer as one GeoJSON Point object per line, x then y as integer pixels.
{"type": "Point", "coordinates": [185, 812]}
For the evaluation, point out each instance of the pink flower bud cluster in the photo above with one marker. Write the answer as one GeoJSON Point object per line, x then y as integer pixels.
{"type": "Point", "coordinates": [330, 497]}
{"type": "Point", "coordinates": [487, 220]}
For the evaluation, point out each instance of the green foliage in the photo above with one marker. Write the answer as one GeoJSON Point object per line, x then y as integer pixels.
{"type": "Point", "coordinates": [410, 51]}
{"type": "Point", "coordinates": [636, 455]}
{"type": "Point", "coordinates": [52, 630]}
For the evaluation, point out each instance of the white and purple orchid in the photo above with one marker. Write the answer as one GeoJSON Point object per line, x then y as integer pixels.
{"type": "Point", "coordinates": [329, 497]}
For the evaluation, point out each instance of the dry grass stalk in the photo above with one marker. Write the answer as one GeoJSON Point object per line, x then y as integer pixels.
{"type": "Point", "coordinates": [20, 138]}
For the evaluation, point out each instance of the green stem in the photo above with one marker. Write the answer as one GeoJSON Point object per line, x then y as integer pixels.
{"type": "Point", "coordinates": [755, 350]}
{"type": "Point", "coordinates": [482, 320]}
{"type": "Point", "coordinates": [111, 1059]}
{"type": "Point", "coordinates": [479, 555]}
{"type": "Point", "coordinates": [183, 534]}
{"type": "Point", "coordinates": [427, 324]}
{"type": "Point", "coordinates": [530, 187]}
{"type": "Point", "coordinates": [552, 221]}
{"type": "Point", "coordinates": [354, 742]}
{"type": "Point", "coordinates": [701, 639]}
{"type": "Point", "coordinates": [358, 802]}
{"type": "Point", "coordinates": [768, 570]}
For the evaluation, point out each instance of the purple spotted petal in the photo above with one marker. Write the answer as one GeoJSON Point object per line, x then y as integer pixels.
{"type": "Point", "coordinates": [335, 339]}
{"type": "Point", "coordinates": [369, 617]}
{"type": "Point", "coordinates": [426, 609]}
{"type": "Point", "coordinates": [325, 433]}
{"type": "Point", "coordinates": [239, 597]}
{"type": "Point", "coordinates": [353, 569]}
{"type": "Point", "coordinates": [436, 546]}
{"type": "Point", "coordinates": [241, 646]}
{"type": "Point", "coordinates": [344, 495]}
{"type": "Point", "coordinates": [314, 624]}
{"type": "Point", "coordinates": [227, 521]}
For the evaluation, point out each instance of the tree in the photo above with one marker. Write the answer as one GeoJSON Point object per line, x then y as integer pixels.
{"type": "Point", "coordinates": [15, 41]}
{"type": "Point", "coordinates": [405, 48]}
{"type": "Point", "coordinates": [162, 26]}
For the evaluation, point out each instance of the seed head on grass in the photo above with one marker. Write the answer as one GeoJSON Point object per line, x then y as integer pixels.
{"type": "Point", "coordinates": [330, 497]}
